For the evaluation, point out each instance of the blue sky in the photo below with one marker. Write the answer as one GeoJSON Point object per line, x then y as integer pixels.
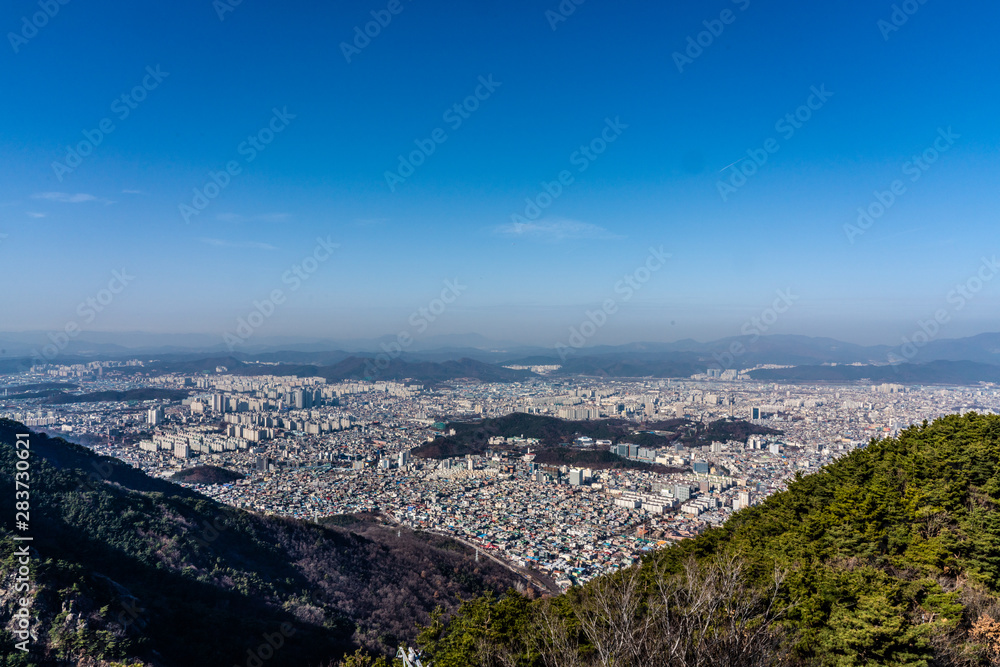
{"type": "Point", "coordinates": [893, 93]}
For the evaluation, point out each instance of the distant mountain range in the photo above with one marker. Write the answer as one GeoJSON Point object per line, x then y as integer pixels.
{"type": "Point", "coordinates": [936, 372]}
{"type": "Point", "coordinates": [959, 361]}
{"type": "Point", "coordinates": [353, 368]}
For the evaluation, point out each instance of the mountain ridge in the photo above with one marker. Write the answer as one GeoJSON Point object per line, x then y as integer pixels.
{"type": "Point", "coordinates": [887, 556]}
{"type": "Point", "coordinates": [122, 563]}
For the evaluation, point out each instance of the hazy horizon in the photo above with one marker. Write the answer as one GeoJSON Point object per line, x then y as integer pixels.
{"type": "Point", "coordinates": [140, 340]}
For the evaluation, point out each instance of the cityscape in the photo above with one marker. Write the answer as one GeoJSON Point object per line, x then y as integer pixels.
{"type": "Point", "coordinates": [309, 449]}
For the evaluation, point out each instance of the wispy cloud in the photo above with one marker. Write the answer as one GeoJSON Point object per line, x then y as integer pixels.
{"type": "Point", "coordinates": [556, 229]}
{"type": "Point", "coordinates": [253, 245]}
{"type": "Point", "coordinates": [260, 217]}
{"type": "Point", "coordinates": [65, 197]}
{"type": "Point", "coordinates": [34, 214]}
{"type": "Point", "coordinates": [905, 232]}
{"type": "Point", "coordinates": [132, 192]}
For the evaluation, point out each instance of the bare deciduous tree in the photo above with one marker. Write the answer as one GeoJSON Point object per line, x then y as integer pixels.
{"type": "Point", "coordinates": [554, 640]}
{"type": "Point", "coordinates": [709, 614]}
{"type": "Point", "coordinates": [612, 613]}
{"type": "Point", "coordinates": [712, 615]}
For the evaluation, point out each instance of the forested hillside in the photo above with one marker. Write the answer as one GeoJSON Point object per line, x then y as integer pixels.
{"type": "Point", "coordinates": [889, 556]}
{"type": "Point", "coordinates": [473, 437]}
{"type": "Point", "coordinates": [128, 568]}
